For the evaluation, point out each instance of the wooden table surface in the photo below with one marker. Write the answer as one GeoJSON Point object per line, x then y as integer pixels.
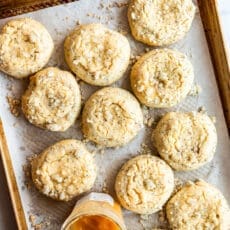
{"type": "Point", "coordinates": [7, 221]}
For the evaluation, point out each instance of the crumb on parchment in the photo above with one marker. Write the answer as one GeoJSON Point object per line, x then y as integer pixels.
{"type": "Point", "coordinates": [37, 224]}
{"type": "Point", "coordinates": [145, 149]}
{"type": "Point", "coordinates": [105, 188]}
{"type": "Point", "coordinates": [14, 105]}
{"type": "Point", "coordinates": [148, 119]}
{"type": "Point", "coordinates": [27, 171]}
{"type": "Point", "coordinates": [195, 90]}
{"type": "Point", "coordinates": [202, 109]}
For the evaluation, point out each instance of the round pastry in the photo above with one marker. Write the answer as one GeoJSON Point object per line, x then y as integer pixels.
{"type": "Point", "coordinates": [185, 141]}
{"type": "Point", "coordinates": [52, 100]}
{"type": "Point", "coordinates": [96, 54]}
{"type": "Point", "coordinates": [64, 170]}
{"type": "Point", "coordinates": [159, 23]}
{"type": "Point", "coordinates": [25, 47]}
{"type": "Point", "coordinates": [198, 206]}
{"type": "Point", "coordinates": [144, 184]}
{"type": "Point", "coordinates": [111, 117]}
{"type": "Point", "coordinates": [162, 78]}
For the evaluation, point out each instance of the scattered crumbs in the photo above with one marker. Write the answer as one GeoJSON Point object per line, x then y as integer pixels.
{"type": "Point", "coordinates": [105, 188]}
{"type": "Point", "coordinates": [32, 219]}
{"type": "Point", "coordinates": [134, 58]}
{"type": "Point", "coordinates": [120, 4]}
{"type": "Point", "coordinates": [38, 225]}
{"type": "Point", "coordinates": [137, 56]}
{"type": "Point", "coordinates": [96, 148]}
{"type": "Point", "coordinates": [213, 119]}
{"type": "Point", "coordinates": [150, 122]}
{"type": "Point", "coordinates": [94, 152]}
{"type": "Point", "coordinates": [102, 5]}
{"type": "Point", "coordinates": [147, 49]}
{"type": "Point", "coordinates": [162, 216]}
{"type": "Point", "coordinates": [195, 91]}
{"type": "Point", "coordinates": [78, 22]}
{"type": "Point", "coordinates": [202, 109]}
{"type": "Point", "coordinates": [123, 32]}
{"type": "Point", "coordinates": [31, 158]}
{"type": "Point", "coordinates": [148, 119]}
{"type": "Point", "coordinates": [178, 184]}
{"type": "Point", "coordinates": [162, 220]}
{"type": "Point", "coordinates": [14, 105]}
{"type": "Point", "coordinates": [9, 85]}
{"type": "Point", "coordinates": [85, 140]}
{"type": "Point", "coordinates": [27, 171]}
{"type": "Point", "coordinates": [102, 151]}
{"type": "Point", "coordinates": [116, 147]}
{"type": "Point", "coordinates": [92, 15]}
{"type": "Point", "coordinates": [189, 183]}
{"type": "Point", "coordinates": [116, 4]}
{"type": "Point", "coordinates": [145, 149]}
{"type": "Point", "coordinates": [143, 219]}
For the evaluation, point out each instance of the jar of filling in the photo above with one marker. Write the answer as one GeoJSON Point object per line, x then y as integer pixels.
{"type": "Point", "coordinates": [96, 211]}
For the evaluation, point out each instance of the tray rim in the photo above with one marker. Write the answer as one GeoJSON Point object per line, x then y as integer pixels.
{"type": "Point", "coordinates": [11, 181]}
{"type": "Point", "coordinates": [23, 8]}
{"type": "Point", "coordinates": [218, 52]}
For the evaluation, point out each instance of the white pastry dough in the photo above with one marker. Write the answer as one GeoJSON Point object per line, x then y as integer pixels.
{"type": "Point", "coordinates": [111, 117]}
{"type": "Point", "coordinates": [144, 184]}
{"type": "Point", "coordinates": [160, 22]}
{"type": "Point", "coordinates": [52, 100]}
{"type": "Point", "coordinates": [64, 170]}
{"type": "Point", "coordinates": [96, 54]}
{"type": "Point", "coordinates": [25, 47]}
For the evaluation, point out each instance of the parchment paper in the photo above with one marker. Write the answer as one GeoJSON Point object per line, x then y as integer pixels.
{"type": "Point", "coordinates": [24, 139]}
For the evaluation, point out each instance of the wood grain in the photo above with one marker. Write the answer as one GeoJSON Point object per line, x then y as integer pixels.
{"type": "Point", "coordinates": [15, 7]}
{"type": "Point", "coordinates": [218, 51]}
{"type": "Point", "coordinates": [11, 181]}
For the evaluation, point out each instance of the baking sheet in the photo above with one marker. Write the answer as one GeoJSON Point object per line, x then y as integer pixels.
{"type": "Point", "coordinates": [25, 140]}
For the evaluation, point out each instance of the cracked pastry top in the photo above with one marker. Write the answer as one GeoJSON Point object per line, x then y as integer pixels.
{"type": "Point", "coordinates": [162, 78]}
{"type": "Point", "coordinates": [186, 141]}
{"type": "Point", "coordinates": [96, 54]}
{"type": "Point", "coordinates": [198, 206]}
{"type": "Point", "coordinates": [25, 47]}
{"type": "Point", "coordinates": [160, 22]}
{"type": "Point", "coordinates": [64, 170]}
{"type": "Point", "coordinates": [144, 184]}
{"type": "Point", "coordinates": [111, 117]}
{"type": "Point", "coordinates": [52, 100]}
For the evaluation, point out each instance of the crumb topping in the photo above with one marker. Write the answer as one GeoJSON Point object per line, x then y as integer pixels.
{"type": "Point", "coordinates": [144, 184]}
{"type": "Point", "coordinates": [52, 100]}
{"type": "Point", "coordinates": [112, 117]}
{"type": "Point", "coordinates": [162, 78]}
{"type": "Point", "coordinates": [64, 170]}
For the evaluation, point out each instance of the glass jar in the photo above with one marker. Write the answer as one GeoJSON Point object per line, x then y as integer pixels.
{"type": "Point", "coordinates": [95, 211]}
